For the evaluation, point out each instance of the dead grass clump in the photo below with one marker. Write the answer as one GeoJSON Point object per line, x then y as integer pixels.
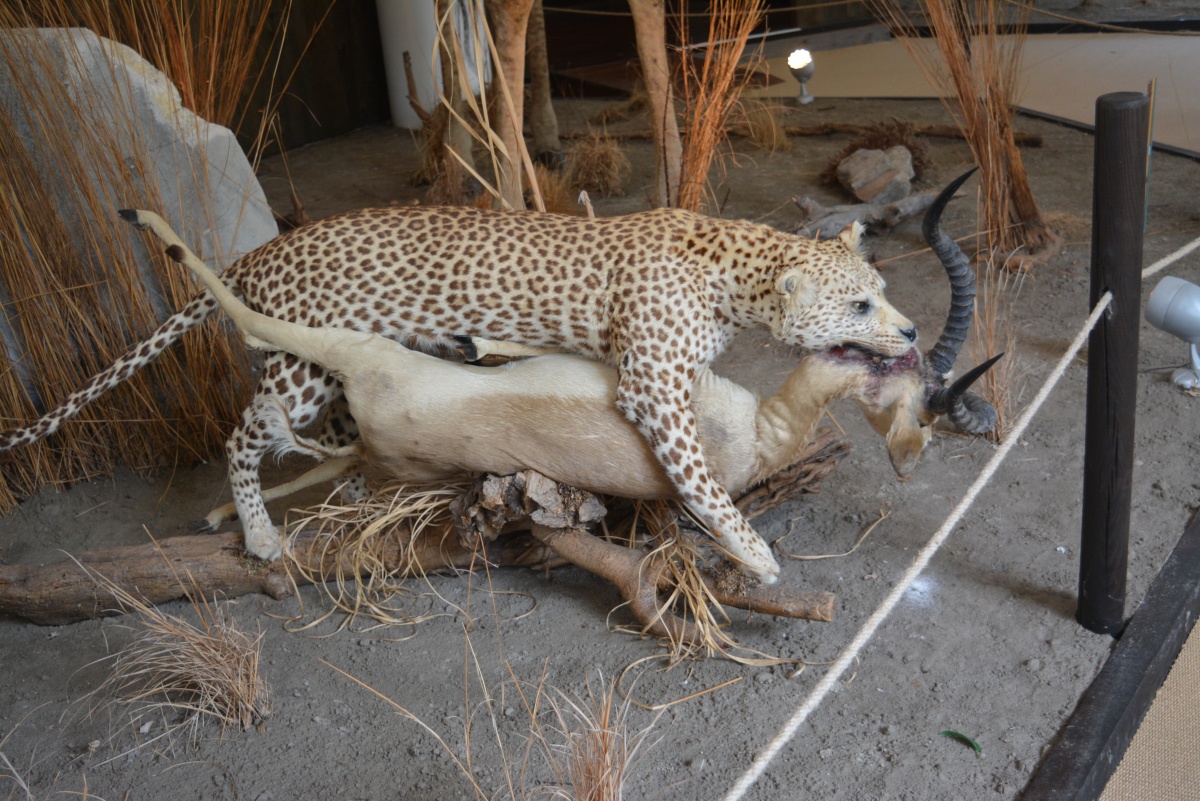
{"type": "Point", "coordinates": [595, 749]}
{"type": "Point", "coordinates": [450, 185]}
{"type": "Point", "coordinates": [183, 674]}
{"type": "Point", "coordinates": [637, 103]}
{"type": "Point", "coordinates": [372, 539]}
{"type": "Point", "coordinates": [558, 193]}
{"type": "Point", "coordinates": [596, 163]}
{"type": "Point", "coordinates": [763, 129]}
{"type": "Point", "coordinates": [881, 136]}
{"type": "Point", "coordinates": [681, 559]}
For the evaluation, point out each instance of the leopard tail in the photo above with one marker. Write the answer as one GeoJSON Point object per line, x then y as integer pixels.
{"type": "Point", "coordinates": [167, 334]}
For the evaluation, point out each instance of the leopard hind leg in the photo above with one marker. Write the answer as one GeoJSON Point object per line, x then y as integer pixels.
{"type": "Point", "coordinates": [339, 432]}
{"type": "Point", "coordinates": [304, 390]}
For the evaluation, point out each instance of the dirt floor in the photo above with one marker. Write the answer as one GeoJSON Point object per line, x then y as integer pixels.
{"type": "Point", "coordinates": [984, 643]}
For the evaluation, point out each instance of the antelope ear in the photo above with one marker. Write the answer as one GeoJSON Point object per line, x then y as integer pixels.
{"type": "Point", "coordinates": [851, 236]}
{"type": "Point", "coordinates": [797, 286]}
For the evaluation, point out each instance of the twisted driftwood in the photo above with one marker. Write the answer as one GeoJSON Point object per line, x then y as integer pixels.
{"type": "Point", "coordinates": [62, 592]}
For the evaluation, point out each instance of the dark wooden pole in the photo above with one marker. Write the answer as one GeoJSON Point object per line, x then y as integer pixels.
{"type": "Point", "coordinates": [1118, 214]}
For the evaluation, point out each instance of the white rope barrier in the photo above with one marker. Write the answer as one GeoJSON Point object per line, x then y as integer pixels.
{"type": "Point", "coordinates": [1170, 259]}
{"type": "Point", "coordinates": [847, 657]}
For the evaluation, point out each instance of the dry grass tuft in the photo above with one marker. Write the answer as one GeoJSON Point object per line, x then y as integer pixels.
{"type": "Point", "coordinates": [881, 136]}
{"type": "Point", "coordinates": [597, 164]}
{"type": "Point", "coordinates": [184, 674]}
{"type": "Point", "coordinates": [636, 104]}
{"type": "Point", "coordinates": [710, 86]}
{"type": "Point", "coordinates": [763, 129]}
{"type": "Point", "coordinates": [373, 539]}
{"type": "Point", "coordinates": [997, 288]}
{"type": "Point", "coordinates": [558, 192]}
{"type": "Point", "coordinates": [596, 750]}
{"type": "Point", "coordinates": [684, 560]}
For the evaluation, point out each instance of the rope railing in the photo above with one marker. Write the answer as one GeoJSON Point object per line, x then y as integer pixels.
{"type": "Point", "coordinates": [868, 630]}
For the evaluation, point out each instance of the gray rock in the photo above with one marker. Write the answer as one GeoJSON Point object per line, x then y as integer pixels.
{"type": "Point", "coordinates": [196, 175]}
{"type": "Point", "coordinates": [877, 176]}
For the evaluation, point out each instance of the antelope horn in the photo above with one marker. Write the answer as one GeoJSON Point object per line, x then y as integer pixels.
{"type": "Point", "coordinates": [962, 282]}
{"type": "Point", "coordinates": [967, 411]}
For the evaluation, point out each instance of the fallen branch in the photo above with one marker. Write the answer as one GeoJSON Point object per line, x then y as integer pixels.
{"type": "Point", "coordinates": [826, 222]}
{"type": "Point", "coordinates": [500, 519]}
{"type": "Point", "coordinates": [1022, 138]}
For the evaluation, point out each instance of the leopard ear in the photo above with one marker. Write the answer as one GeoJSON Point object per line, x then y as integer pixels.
{"type": "Point", "coordinates": [851, 236]}
{"type": "Point", "coordinates": [797, 286]}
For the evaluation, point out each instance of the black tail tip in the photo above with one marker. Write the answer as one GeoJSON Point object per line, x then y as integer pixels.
{"type": "Point", "coordinates": [466, 346]}
{"type": "Point", "coordinates": [130, 216]}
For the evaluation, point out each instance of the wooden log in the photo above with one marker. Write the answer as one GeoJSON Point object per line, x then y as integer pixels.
{"type": "Point", "coordinates": [1118, 216]}
{"type": "Point", "coordinates": [64, 592]}
{"type": "Point", "coordinates": [1022, 138]}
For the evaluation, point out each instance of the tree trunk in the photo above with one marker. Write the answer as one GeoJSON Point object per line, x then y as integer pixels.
{"type": "Point", "coordinates": [650, 26]}
{"type": "Point", "coordinates": [543, 125]}
{"type": "Point", "coordinates": [510, 19]}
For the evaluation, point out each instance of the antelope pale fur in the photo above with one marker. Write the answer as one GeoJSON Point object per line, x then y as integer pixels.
{"type": "Point", "coordinates": [423, 419]}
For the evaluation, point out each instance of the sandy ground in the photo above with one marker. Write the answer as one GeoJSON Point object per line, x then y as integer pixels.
{"type": "Point", "coordinates": [985, 642]}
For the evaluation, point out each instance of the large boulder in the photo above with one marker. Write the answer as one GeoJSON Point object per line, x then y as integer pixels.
{"type": "Point", "coordinates": [877, 176]}
{"type": "Point", "coordinates": [142, 149]}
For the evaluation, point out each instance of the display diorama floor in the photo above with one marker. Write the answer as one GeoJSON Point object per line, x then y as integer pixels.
{"type": "Point", "coordinates": [984, 643]}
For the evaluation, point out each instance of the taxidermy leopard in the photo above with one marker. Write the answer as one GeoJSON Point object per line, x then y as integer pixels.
{"type": "Point", "coordinates": [656, 294]}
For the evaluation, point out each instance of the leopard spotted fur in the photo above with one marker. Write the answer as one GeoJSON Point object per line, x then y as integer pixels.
{"type": "Point", "coordinates": [657, 294]}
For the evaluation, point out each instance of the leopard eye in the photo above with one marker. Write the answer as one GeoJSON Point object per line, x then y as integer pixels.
{"type": "Point", "coordinates": [860, 306]}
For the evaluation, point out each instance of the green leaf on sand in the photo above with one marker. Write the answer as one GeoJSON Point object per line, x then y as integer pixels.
{"type": "Point", "coordinates": [962, 738]}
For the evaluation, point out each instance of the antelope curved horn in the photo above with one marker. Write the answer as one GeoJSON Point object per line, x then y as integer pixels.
{"type": "Point", "coordinates": [962, 281]}
{"type": "Point", "coordinates": [966, 410]}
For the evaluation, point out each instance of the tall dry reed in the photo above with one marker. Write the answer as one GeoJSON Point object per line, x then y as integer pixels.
{"type": "Point", "coordinates": [975, 56]}
{"type": "Point", "coordinates": [710, 87]}
{"type": "Point", "coordinates": [73, 297]}
{"type": "Point", "coordinates": [997, 289]}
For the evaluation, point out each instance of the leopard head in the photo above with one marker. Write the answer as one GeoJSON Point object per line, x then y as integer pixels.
{"type": "Point", "coordinates": [829, 296]}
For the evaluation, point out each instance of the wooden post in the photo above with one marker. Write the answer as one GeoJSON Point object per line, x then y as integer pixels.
{"type": "Point", "coordinates": [1118, 202]}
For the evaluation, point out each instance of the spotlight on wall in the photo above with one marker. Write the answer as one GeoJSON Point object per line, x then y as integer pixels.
{"type": "Point", "coordinates": [801, 64]}
{"type": "Point", "coordinates": [1174, 307]}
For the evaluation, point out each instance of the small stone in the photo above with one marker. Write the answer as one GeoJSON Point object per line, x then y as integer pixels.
{"type": "Point", "coordinates": [877, 176]}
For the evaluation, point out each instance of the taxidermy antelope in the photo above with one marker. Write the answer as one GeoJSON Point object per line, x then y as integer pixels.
{"type": "Point", "coordinates": [423, 419]}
